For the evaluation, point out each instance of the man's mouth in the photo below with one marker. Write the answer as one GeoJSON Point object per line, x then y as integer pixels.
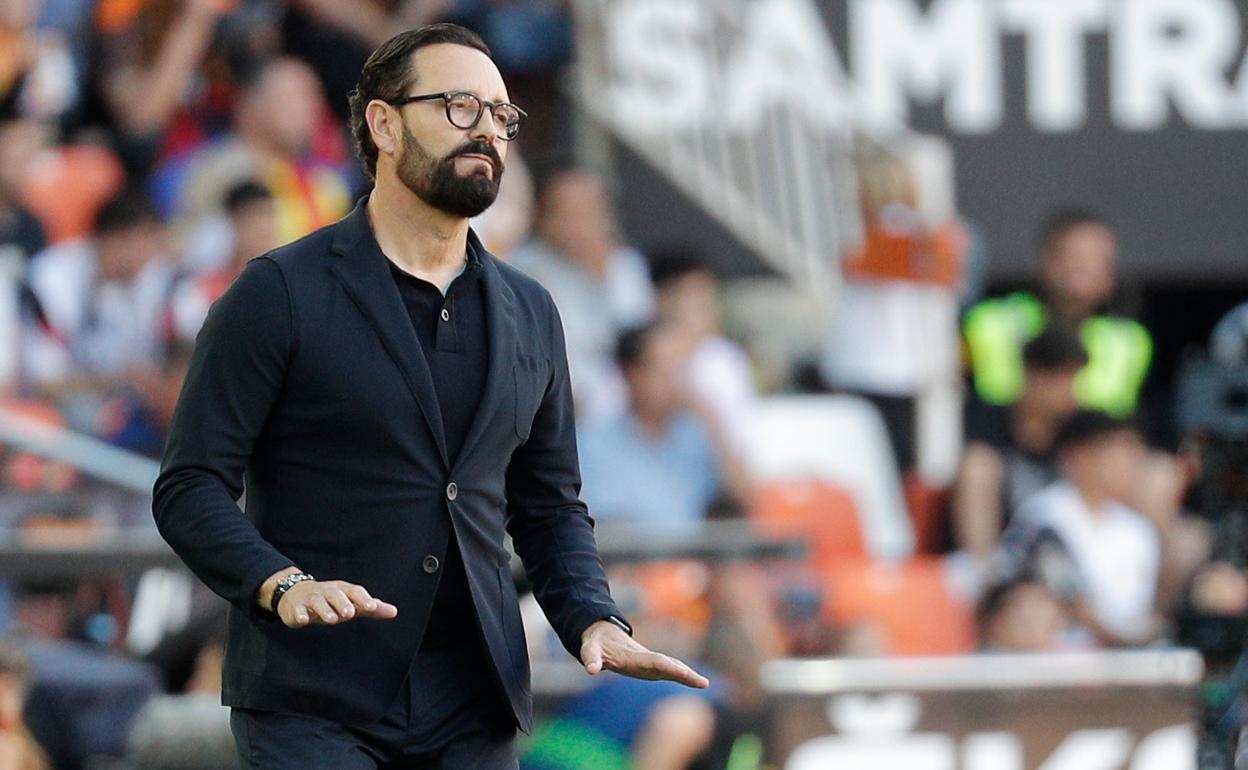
{"type": "Point", "coordinates": [489, 162]}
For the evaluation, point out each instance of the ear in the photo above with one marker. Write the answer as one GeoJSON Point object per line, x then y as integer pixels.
{"type": "Point", "coordinates": [384, 125]}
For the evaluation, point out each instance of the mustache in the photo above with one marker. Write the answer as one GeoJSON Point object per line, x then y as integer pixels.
{"type": "Point", "coordinates": [480, 148]}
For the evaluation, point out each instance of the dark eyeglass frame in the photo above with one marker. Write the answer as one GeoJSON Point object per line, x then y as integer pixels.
{"type": "Point", "coordinates": [447, 96]}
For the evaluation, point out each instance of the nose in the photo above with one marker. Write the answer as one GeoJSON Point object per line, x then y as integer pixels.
{"type": "Point", "coordinates": [484, 130]}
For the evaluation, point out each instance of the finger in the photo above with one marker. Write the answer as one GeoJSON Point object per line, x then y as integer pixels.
{"type": "Point", "coordinates": [298, 615]}
{"type": "Point", "coordinates": [674, 670]}
{"type": "Point", "coordinates": [384, 611]}
{"type": "Point", "coordinates": [340, 603]}
{"type": "Point", "coordinates": [591, 655]}
{"type": "Point", "coordinates": [360, 597]}
{"type": "Point", "coordinates": [321, 610]}
{"type": "Point", "coordinates": [369, 606]}
{"type": "Point", "coordinates": [654, 666]}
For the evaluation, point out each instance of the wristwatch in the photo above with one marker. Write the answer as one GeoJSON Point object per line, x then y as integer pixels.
{"type": "Point", "coordinates": [623, 624]}
{"type": "Point", "coordinates": [285, 584]}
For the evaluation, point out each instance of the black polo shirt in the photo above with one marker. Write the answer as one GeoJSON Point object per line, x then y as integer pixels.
{"type": "Point", "coordinates": [452, 334]}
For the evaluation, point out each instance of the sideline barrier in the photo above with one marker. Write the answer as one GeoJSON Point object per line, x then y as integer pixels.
{"type": "Point", "coordinates": [1078, 711]}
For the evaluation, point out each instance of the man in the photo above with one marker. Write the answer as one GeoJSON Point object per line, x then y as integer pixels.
{"type": "Point", "coordinates": [660, 465]}
{"type": "Point", "coordinates": [718, 371]}
{"type": "Point", "coordinates": [253, 225]}
{"type": "Point", "coordinates": [100, 325]}
{"type": "Point", "coordinates": [1021, 615]}
{"type": "Point", "coordinates": [1078, 280]}
{"type": "Point", "coordinates": [395, 395]}
{"type": "Point", "coordinates": [1009, 453]}
{"type": "Point", "coordinates": [275, 137]}
{"type": "Point", "coordinates": [1081, 538]}
{"type": "Point", "coordinates": [601, 286]}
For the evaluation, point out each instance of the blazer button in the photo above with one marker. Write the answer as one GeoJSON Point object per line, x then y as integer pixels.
{"type": "Point", "coordinates": [430, 564]}
{"type": "Point", "coordinates": [452, 491]}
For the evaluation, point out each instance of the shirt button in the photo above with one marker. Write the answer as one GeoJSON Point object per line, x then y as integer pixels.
{"type": "Point", "coordinates": [446, 314]}
{"type": "Point", "coordinates": [430, 564]}
{"type": "Point", "coordinates": [452, 491]}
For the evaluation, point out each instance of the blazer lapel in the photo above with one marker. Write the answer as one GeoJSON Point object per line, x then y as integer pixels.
{"type": "Point", "coordinates": [500, 320]}
{"type": "Point", "coordinates": [365, 274]}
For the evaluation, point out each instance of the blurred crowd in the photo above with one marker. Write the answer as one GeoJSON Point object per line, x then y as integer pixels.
{"type": "Point", "coordinates": [149, 148]}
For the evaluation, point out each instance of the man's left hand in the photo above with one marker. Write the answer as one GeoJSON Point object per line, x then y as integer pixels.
{"type": "Point", "coordinates": [605, 645]}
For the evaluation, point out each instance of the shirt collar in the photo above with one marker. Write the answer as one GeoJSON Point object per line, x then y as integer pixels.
{"type": "Point", "coordinates": [357, 226]}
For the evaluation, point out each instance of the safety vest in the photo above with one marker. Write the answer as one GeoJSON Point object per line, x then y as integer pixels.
{"type": "Point", "coordinates": [1120, 351]}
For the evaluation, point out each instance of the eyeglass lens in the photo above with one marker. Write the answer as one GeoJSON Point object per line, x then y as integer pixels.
{"type": "Point", "coordinates": [464, 110]}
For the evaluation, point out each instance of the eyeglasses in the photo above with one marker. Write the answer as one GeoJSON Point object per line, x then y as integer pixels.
{"type": "Point", "coordinates": [463, 110]}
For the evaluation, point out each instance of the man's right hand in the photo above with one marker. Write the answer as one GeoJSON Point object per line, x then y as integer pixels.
{"type": "Point", "coordinates": [323, 601]}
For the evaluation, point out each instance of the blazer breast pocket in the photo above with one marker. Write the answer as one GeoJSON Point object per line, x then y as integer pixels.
{"type": "Point", "coordinates": [531, 375]}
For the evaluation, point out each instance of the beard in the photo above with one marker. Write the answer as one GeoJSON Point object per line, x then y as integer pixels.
{"type": "Point", "coordinates": [436, 182]}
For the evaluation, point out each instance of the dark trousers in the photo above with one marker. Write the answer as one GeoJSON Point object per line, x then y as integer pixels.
{"type": "Point", "coordinates": [449, 715]}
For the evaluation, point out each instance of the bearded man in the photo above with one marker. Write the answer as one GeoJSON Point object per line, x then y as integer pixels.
{"type": "Point", "coordinates": [395, 398]}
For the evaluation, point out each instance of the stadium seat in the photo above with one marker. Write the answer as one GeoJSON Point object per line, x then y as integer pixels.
{"type": "Point", "coordinates": [820, 512]}
{"type": "Point", "coordinates": [675, 590]}
{"type": "Point", "coordinates": [839, 439]}
{"type": "Point", "coordinates": [910, 603]}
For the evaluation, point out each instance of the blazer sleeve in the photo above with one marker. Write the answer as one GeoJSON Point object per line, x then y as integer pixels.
{"type": "Point", "coordinates": [235, 375]}
{"type": "Point", "coordinates": [550, 526]}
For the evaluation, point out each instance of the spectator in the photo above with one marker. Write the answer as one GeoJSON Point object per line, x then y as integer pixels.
{"type": "Point", "coordinates": [280, 118]}
{"type": "Point", "coordinates": [1081, 538]}
{"type": "Point", "coordinates": [102, 303]}
{"type": "Point", "coordinates": [1009, 453]}
{"type": "Point", "coordinates": [600, 286]}
{"type": "Point", "coordinates": [656, 466]}
{"type": "Point", "coordinates": [188, 728]}
{"type": "Point", "coordinates": [893, 338]}
{"type": "Point", "coordinates": [148, 60]}
{"type": "Point", "coordinates": [718, 371]}
{"type": "Point", "coordinates": [21, 232]}
{"type": "Point", "coordinates": [1078, 280]}
{"type": "Point", "coordinates": [21, 236]}
{"type": "Point", "coordinates": [253, 224]}
{"type": "Point", "coordinates": [18, 749]}
{"type": "Point", "coordinates": [37, 73]}
{"type": "Point", "coordinates": [1022, 615]}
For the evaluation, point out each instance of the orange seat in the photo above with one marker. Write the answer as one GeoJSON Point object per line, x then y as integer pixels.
{"type": "Point", "coordinates": [66, 187]}
{"type": "Point", "coordinates": [823, 514]}
{"type": "Point", "coordinates": [929, 511]}
{"type": "Point", "coordinates": [910, 603]}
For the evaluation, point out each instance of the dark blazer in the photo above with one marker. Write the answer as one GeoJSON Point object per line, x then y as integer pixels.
{"type": "Point", "coordinates": [308, 378]}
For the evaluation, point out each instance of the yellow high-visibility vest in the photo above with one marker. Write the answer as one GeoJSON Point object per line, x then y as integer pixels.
{"type": "Point", "coordinates": [1120, 351]}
